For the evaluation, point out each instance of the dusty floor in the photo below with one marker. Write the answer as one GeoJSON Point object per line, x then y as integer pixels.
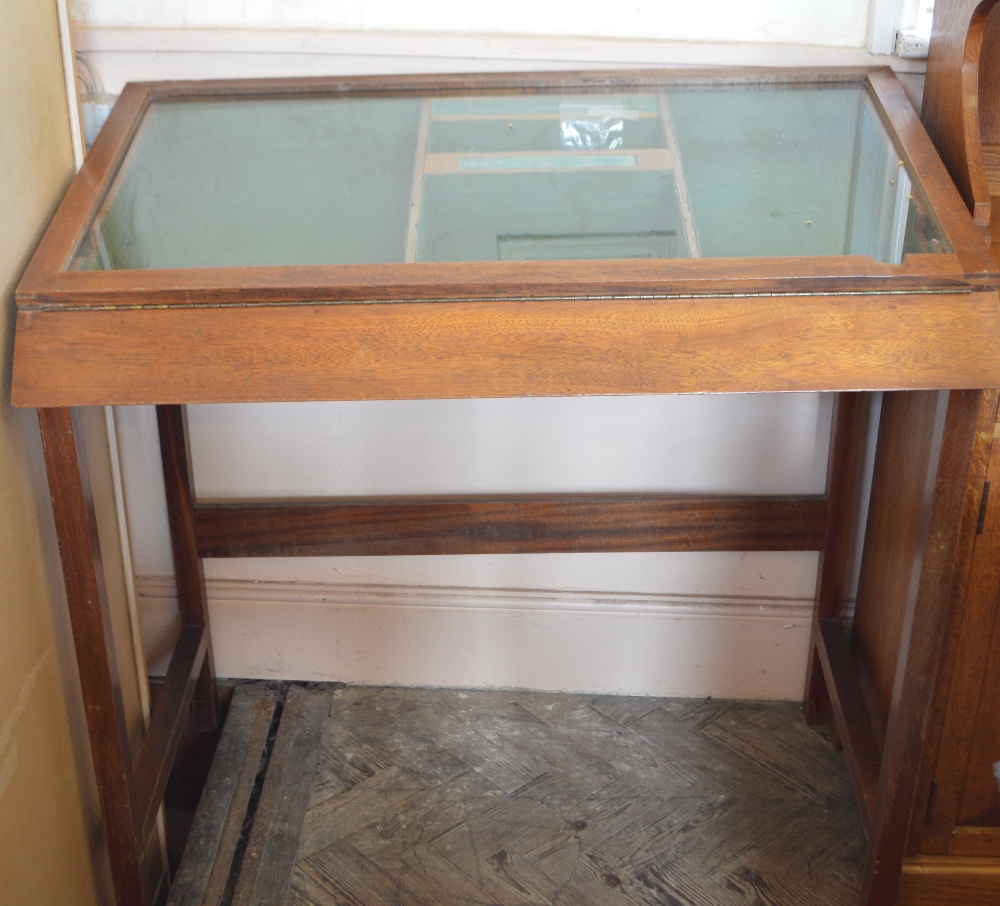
{"type": "Point", "coordinates": [421, 796]}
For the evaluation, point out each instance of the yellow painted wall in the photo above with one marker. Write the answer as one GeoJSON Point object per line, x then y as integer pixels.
{"type": "Point", "coordinates": [51, 849]}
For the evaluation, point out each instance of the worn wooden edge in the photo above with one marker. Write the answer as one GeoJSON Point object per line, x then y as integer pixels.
{"type": "Point", "coordinates": [851, 716]}
{"type": "Point", "coordinates": [167, 723]}
{"type": "Point", "coordinates": [949, 881]}
{"type": "Point", "coordinates": [271, 853]}
{"type": "Point", "coordinates": [591, 347]}
{"type": "Point", "coordinates": [212, 842]}
{"type": "Point", "coordinates": [930, 176]}
{"type": "Point", "coordinates": [523, 523]}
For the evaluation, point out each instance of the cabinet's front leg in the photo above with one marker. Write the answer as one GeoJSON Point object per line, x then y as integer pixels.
{"type": "Point", "coordinates": [79, 548]}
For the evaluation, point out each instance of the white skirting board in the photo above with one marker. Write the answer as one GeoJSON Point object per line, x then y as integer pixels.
{"type": "Point", "coordinates": [496, 638]}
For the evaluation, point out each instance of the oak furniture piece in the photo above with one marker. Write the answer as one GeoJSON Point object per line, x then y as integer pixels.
{"type": "Point", "coordinates": [505, 235]}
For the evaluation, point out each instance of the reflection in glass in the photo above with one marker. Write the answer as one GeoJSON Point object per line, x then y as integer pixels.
{"type": "Point", "coordinates": [721, 172]}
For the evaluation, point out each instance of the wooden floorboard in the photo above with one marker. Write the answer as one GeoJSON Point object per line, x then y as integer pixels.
{"type": "Point", "coordinates": [272, 850]}
{"type": "Point", "coordinates": [215, 836]}
{"type": "Point", "coordinates": [427, 797]}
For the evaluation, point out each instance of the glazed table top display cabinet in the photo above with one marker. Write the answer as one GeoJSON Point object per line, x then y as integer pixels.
{"type": "Point", "coordinates": [521, 235]}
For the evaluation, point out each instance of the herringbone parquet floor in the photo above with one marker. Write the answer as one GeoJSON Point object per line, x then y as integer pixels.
{"type": "Point", "coordinates": [435, 797]}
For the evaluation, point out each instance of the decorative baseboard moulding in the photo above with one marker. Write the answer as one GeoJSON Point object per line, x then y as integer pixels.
{"type": "Point", "coordinates": [597, 642]}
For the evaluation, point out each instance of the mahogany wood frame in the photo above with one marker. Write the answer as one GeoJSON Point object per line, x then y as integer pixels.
{"type": "Point", "coordinates": [534, 328]}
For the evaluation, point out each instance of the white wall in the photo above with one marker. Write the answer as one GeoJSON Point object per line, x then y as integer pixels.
{"type": "Point", "coordinates": [684, 444]}
{"type": "Point", "coordinates": [695, 624]}
{"type": "Point", "coordinates": [809, 22]}
{"type": "Point", "coordinates": [683, 624]}
{"type": "Point", "coordinates": [146, 39]}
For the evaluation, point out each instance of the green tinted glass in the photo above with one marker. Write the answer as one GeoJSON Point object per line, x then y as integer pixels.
{"type": "Point", "coordinates": [723, 172]}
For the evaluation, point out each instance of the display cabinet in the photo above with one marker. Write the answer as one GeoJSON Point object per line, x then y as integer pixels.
{"type": "Point", "coordinates": [521, 235]}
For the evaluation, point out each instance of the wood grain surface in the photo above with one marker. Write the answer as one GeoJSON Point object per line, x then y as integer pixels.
{"type": "Point", "coordinates": [931, 881]}
{"type": "Point", "coordinates": [495, 349]}
{"type": "Point", "coordinates": [552, 329]}
{"type": "Point", "coordinates": [897, 516]}
{"type": "Point", "coordinates": [510, 524]}
{"type": "Point", "coordinates": [46, 279]}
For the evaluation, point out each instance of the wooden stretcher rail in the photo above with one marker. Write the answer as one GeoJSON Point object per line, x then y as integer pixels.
{"type": "Point", "coordinates": [192, 596]}
{"type": "Point", "coordinates": [166, 725]}
{"type": "Point", "coordinates": [851, 715]}
{"type": "Point", "coordinates": [528, 523]}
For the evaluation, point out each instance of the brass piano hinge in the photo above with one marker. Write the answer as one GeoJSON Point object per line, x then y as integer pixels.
{"type": "Point", "coordinates": [67, 305]}
{"type": "Point", "coordinates": [982, 508]}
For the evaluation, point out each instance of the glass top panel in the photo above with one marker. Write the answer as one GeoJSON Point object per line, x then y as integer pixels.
{"type": "Point", "coordinates": [730, 172]}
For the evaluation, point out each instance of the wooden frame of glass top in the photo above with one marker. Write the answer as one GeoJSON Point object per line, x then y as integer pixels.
{"type": "Point", "coordinates": [707, 324]}
{"type": "Point", "coordinates": [557, 313]}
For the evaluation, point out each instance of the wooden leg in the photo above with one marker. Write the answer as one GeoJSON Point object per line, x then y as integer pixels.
{"type": "Point", "coordinates": [79, 549]}
{"type": "Point", "coordinates": [949, 507]}
{"type": "Point", "coordinates": [191, 594]}
{"type": "Point", "coordinates": [845, 468]}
